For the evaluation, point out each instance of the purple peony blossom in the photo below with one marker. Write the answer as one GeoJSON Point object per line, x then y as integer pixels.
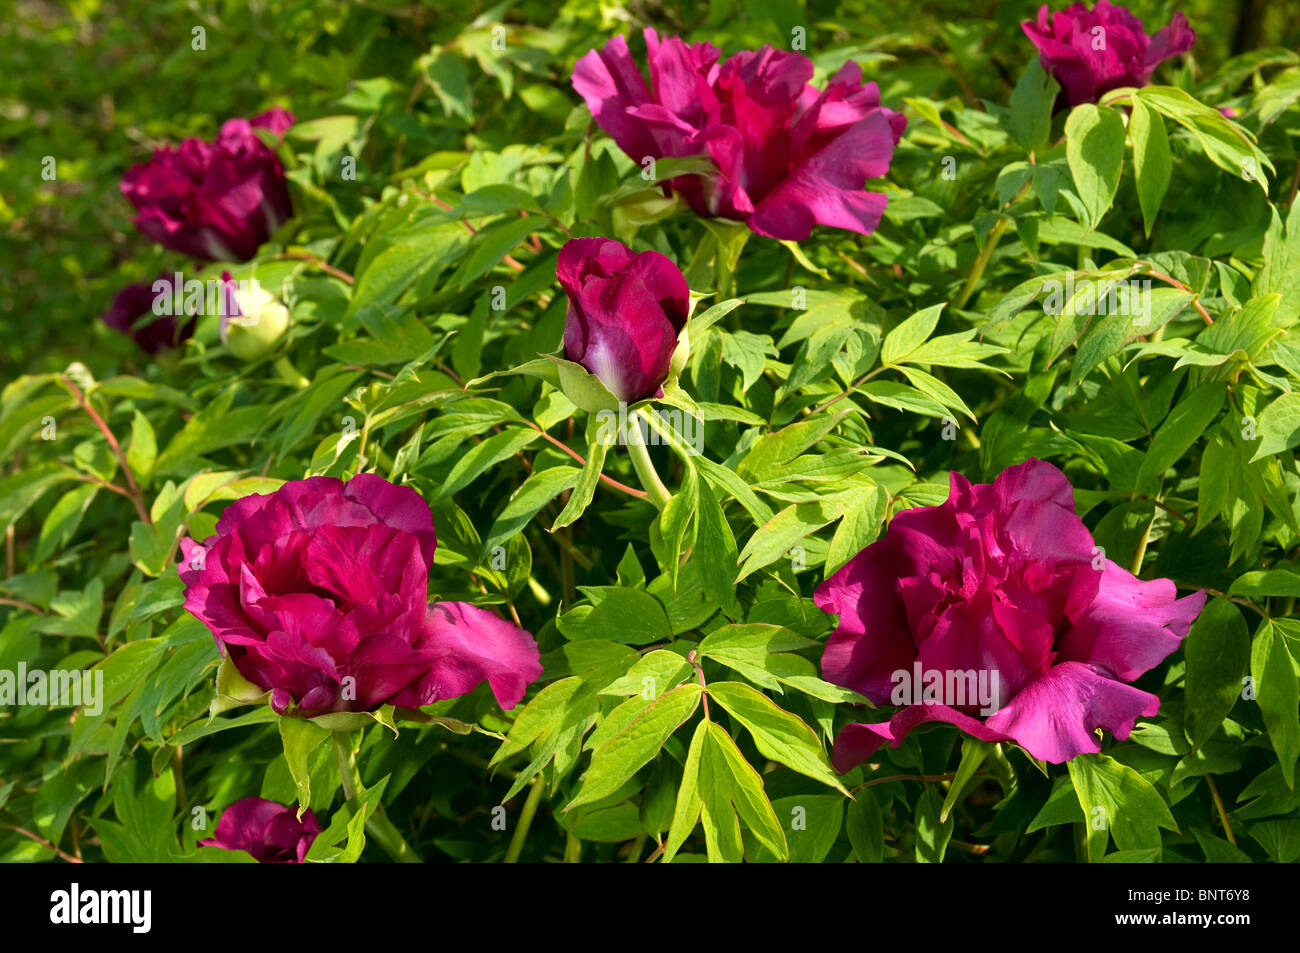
{"type": "Point", "coordinates": [137, 300]}
{"type": "Point", "coordinates": [625, 313]}
{"type": "Point", "coordinates": [999, 581]}
{"type": "Point", "coordinates": [318, 593]}
{"type": "Point", "coordinates": [1091, 52]}
{"type": "Point", "coordinates": [215, 200]}
{"type": "Point", "coordinates": [788, 156]}
{"type": "Point", "coordinates": [271, 832]}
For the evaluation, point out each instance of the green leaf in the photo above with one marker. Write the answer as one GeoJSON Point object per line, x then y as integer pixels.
{"type": "Point", "coordinates": [715, 551]}
{"type": "Point", "coordinates": [779, 448]}
{"type": "Point", "coordinates": [614, 762]}
{"type": "Point", "coordinates": [1279, 426]}
{"type": "Point", "coordinates": [217, 425]}
{"type": "Point", "coordinates": [233, 690]}
{"type": "Point", "coordinates": [1131, 810]}
{"type": "Point", "coordinates": [1030, 118]}
{"type": "Point", "coordinates": [1094, 148]}
{"type": "Point", "coordinates": [1219, 851]}
{"type": "Point", "coordinates": [1152, 164]}
{"type": "Point", "coordinates": [1267, 582]}
{"type": "Point", "coordinates": [1061, 807]}
{"type": "Point", "coordinates": [973, 753]}
{"type": "Point", "coordinates": [540, 488]}
{"type": "Point", "coordinates": [774, 538]}
{"type": "Point", "coordinates": [300, 739]}
{"type": "Point", "coordinates": [686, 812]}
{"type": "Point", "coordinates": [629, 616]}
{"type": "Point", "coordinates": [1280, 839]}
{"type": "Point", "coordinates": [345, 838]}
{"type": "Point", "coordinates": [489, 246]}
{"type": "Point", "coordinates": [1184, 425]}
{"type": "Point", "coordinates": [1278, 694]}
{"type": "Point", "coordinates": [733, 799]}
{"type": "Point", "coordinates": [751, 649]}
{"type": "Point", "coordinates": [812, 824]}
{"type": "Point", "coordinates": [539, 716]}
{"type": "Point", "coordinates": [866, 827]}
{"type": "Point", "coordinates": [1218, 653]}
{"type": "Point", "coordinates": [483, 456]}
{"type": "Point", "coordinates": [64, 517]}
{"type": "Point", "coordinates": [142, 452]}
{"type": "Point", "coordinates": [144, 831]}
{"type": "Point", "coordinates": [778, 734]}
{"type": "Point", "coordinates": [751, 641]}
{"type": "Point", "coordinates": [720, 790]}
{"type": "Point", "coordinates": [909, 335]}
{"type": "Point", "coordinates": [585, 486]}
{"type": "Point", "coordinates": [1225, 143]}
{"type": "Point", "coordinates": [932, 834]}
{"type": "Point", "coordinates": [655, 673]}
{"type": "Point", "coordinates": [76, 611]}
{"type": "Point", "coordinates": [1281, 271]}
{"type": "Point", "coordinates": [864, 515]}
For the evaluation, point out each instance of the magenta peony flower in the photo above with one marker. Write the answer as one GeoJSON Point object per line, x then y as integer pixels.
{"type": "Point", "coordinates": [987, 612]}
{"type": "Point", "coordinates": [318, 593]}
{"type": "Point", "coordinates": [1091, 52]}
{"type": "Point", "coordinates": [215, 200]}
{"type": "Point", "coordinates": [788, 157]}
{"type": "Point", "coordinates": [137, 300]}
{"type": "Point", "coordinates": [625, 313]}
{"type": "Point", "coordinates": [270, 832]}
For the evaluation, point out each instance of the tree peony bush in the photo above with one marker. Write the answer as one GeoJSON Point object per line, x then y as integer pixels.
{"type": "Point", "coordinates": [731, 432]}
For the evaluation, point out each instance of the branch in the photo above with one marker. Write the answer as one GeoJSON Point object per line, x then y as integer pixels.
{"type": "Point", "coordinates": [133, 491]}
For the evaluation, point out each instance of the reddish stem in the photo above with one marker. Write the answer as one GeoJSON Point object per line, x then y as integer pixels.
{"type": "Point", "coordinates": [630, 491]}
{"type": "Point", "coordinates": [134, 491]}
{"type": "Point", "coordinates": [319, 263]}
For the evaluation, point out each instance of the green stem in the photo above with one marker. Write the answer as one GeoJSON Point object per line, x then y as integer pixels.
{"type": "Point", "coordinates": [977, 270]}
{"type": "Point", "coordinates": [525, 821]}
{"type": "Point", "coordinates": [572, 849]}
{"type": "Point", "coordinates": [1002, 770]}
{"type": "Point", "coordinates": [378, 826]}
{"type": "Point", "coordinates": [1141, 553]}
{"type": "Point", "coordinates": [645, 470]}
{"type": "Point", "coordinates": [986, 253]}
{"type": "Point", "coordinates": [634, 855]}
{"type": "Point", "coordinates": [290, 374]}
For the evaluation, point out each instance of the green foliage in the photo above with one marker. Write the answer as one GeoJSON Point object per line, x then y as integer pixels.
{"type": "Point", "coordinates": [681, 714]}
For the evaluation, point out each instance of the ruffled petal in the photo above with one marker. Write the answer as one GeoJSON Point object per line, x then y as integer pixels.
{"type": "Point", "coordinates": [1132, 625]}
{"type": "Point", "coordinates": [472, 645]}
{"type": "Point", "coordinates": [1056, 717]}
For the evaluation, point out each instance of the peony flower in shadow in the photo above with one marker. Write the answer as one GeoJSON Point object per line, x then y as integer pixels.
{"type": "Point", "coordinates": [134, 302]}
{"type": "Point", "coordinates": [271, 832]}
{"type": "Point", "coordinates": [216, 200]}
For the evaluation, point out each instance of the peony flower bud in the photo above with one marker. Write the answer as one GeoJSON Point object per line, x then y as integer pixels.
{"type": "Point", "coordinates": [252, 320]}
{"type": "Point", "coordinates": [626, 311]}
